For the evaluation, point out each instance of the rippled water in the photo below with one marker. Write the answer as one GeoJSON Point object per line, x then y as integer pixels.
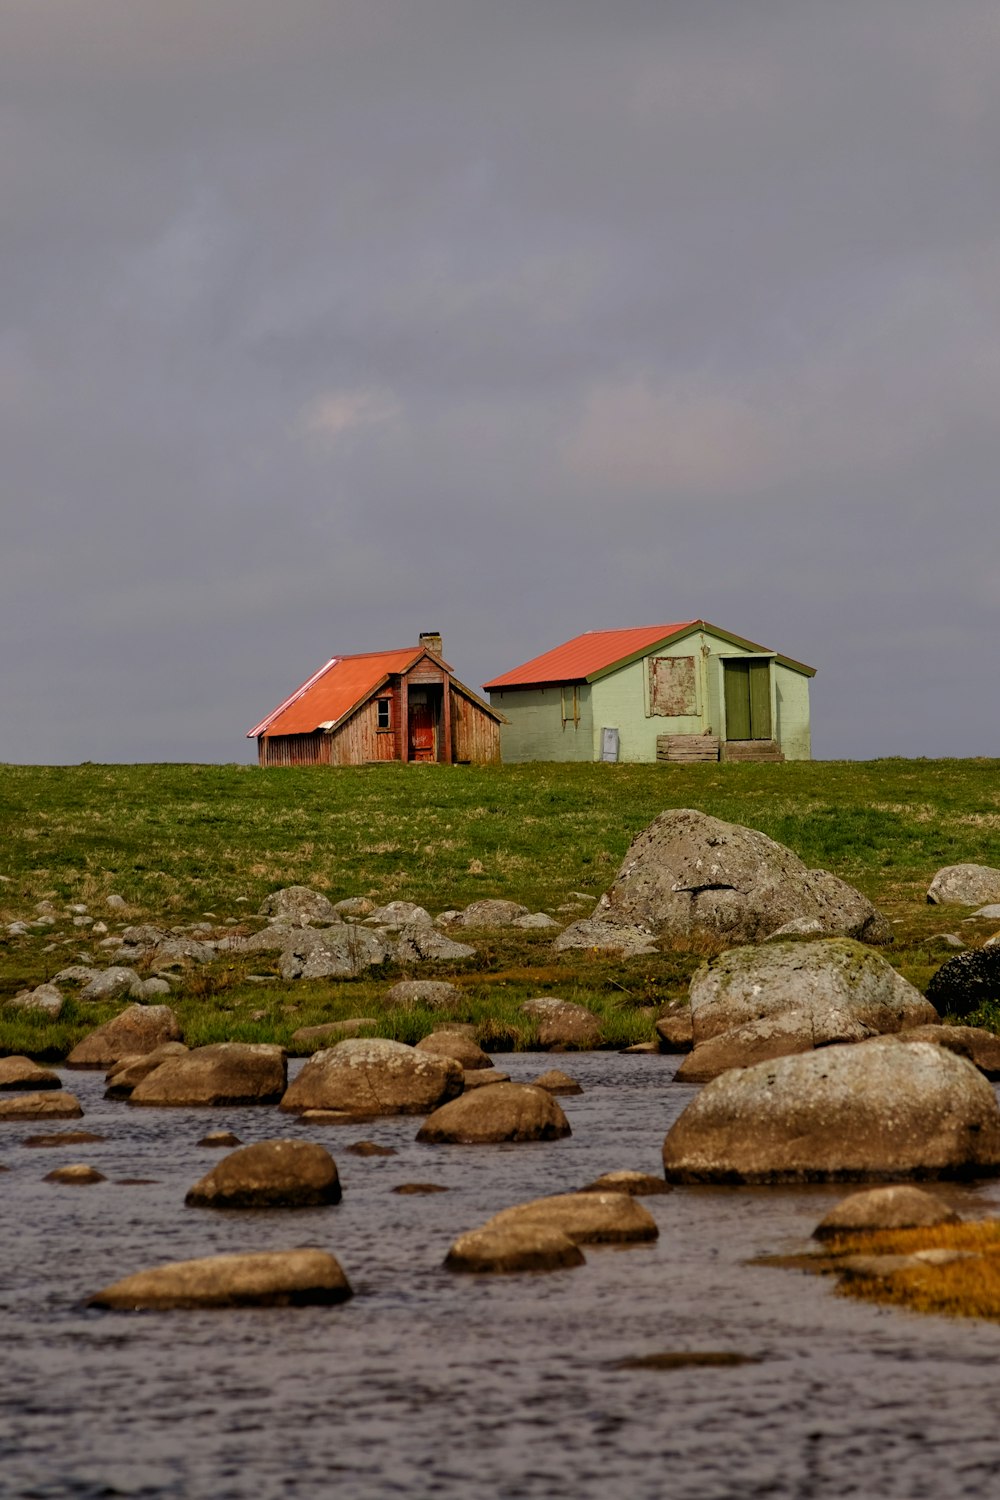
{"type": "Point", "coordinates": [431, 1384]}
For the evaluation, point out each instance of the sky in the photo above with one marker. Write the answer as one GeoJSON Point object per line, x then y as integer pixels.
{"type": "Point", "coordinates": [328, 322]}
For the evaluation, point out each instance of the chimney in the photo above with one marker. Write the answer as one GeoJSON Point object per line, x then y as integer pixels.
{"type": "Point", "coordinates": [430, 640]}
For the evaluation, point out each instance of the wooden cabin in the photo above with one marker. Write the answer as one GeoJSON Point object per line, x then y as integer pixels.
{"type": "Point", "coordinates": [681, 692]}
{"type": "Point", "coordinates": [381, 705]}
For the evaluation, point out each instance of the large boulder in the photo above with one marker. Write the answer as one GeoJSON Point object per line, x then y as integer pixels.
{"type": "Point", "coordinates": [397, 914]}
{"type": "Point", "coordinates": [225, 1073]}
{"type": "Point", "coordinates": [980, 1046]}
{"type": "Point", "coordinates": [122, 1076]}
{"type": "Point", "coordinates": [962, 984]}
{"type": "Point", "coordinates": [688, 873]}
{"type": "Point", "coordinates": [270, 1174]}
{"type": "Point", "coordinates": [755, 1003]}
{"type": "Point", "coordinates": [874, 1110]}
{"type": "Point", "coordinates": [265, 1278]}
{"type": "Point", "coordinates": [563, 1023]}
{"type": "Point", "coordinates": [44, 998]}
{"type": "Point", "coordinates": [964, 885]}
{"type": "Point", "coordinates": [341, 952]}
{"type": "Point", "coordinates": [368, 1077]}
{"type": "Point", "coordinates": [588, 1218]}
{"type": "Point", "coordinates": [298, 906]}
{"type": "Point", "coordinates": [505, 1112]}
{"type": "Point", "coordinates": [140, 1028]}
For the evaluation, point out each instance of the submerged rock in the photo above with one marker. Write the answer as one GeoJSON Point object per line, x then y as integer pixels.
{"type": "Point", "coordinates": [370, 1077]}
{"type": "Point", "coordinates": [269, 1278]}
{"type": "Point", "coordinates": [511, 1248]}
{"type": "Point", "coordinates": [225, 1073]}
{"type": "Point", "coordinates": [588, 1218]}
{"type": "Point", "coordinates": [21, 1073]}
{"type": "Point", "coordinates": [876, 1109]}
{"type": "Point", "coordinates": [76, 1175]}
{"type": "Point", "coordinates": [900, 1206]}
{"type": "Point", "coordinates": [557, 1082]}
{"type": "Point", "coordinates": [506, 1112]}
{"type": "Point", "coordinates": [123, 1075]}
{"type": "Point", "coordinates": [270, 1174]}
{"type": "Point", "coordinates": [50, 1105]}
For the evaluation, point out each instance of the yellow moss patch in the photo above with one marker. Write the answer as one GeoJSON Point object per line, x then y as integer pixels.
{"type": "Point", "coordinates": [962, 1288]}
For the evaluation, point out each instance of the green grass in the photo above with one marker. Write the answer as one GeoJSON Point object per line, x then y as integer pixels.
{"type": "Point", "coordinates": [180, 842]}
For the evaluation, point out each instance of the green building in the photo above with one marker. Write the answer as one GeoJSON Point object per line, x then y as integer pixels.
{"type": "Point", "coordinates": [681, 692]}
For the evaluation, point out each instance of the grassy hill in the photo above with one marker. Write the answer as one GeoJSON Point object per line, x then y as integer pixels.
{"type": "Point", "coordinates": [179, 842]}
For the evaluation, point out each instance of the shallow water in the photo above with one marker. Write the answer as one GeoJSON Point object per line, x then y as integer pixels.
{"type": "Point", "coordinates": [432, 1384]}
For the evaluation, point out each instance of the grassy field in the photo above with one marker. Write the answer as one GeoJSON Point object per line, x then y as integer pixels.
{"type": "Point", "coordinates": [193, 843]}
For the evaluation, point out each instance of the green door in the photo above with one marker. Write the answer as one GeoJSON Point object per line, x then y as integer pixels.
{"type": "Point", "coordinates": [748, 698]}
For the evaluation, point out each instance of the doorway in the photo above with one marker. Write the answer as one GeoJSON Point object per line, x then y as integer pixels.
{"type": "Point", "coordinates": [747, 683]}
{"type": "Point", "coordinates": [422, 728]}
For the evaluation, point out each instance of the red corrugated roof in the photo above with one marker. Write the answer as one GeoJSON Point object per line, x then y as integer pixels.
{"type": "Point", "coordinates": [329, 694]}
{"type": "Point", "coordinates": [587, 654]}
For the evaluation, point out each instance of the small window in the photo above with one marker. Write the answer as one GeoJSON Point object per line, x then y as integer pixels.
{"type": "Point", "coordinates": [383, 718]}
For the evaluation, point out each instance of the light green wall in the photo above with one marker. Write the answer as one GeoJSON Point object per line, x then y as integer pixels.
{"type": "Point", "coordinates": [536, 730]}
{"type": "Point", "coordinates": [621, 701]}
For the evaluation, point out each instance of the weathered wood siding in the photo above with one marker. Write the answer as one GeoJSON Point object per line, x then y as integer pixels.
{"type": "Point", "coordinates": [360, 739]}
{"type": "Point", "coordinates": [475, 736]}
{"type": "Point", "coordinates": [293, 749]}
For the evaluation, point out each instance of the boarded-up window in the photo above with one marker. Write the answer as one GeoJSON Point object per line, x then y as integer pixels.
{"type": "Point", "coordinates": [673, 691]}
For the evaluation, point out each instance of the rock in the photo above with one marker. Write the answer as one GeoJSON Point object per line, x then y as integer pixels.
{"type": "Point", "coordinates": [410, 1189]}
{"type": "Point", "coordinates": [144, 935]}
{"type": "Point", "coordinates": [298, 906]}
{"type": "Point", "coordinates": [483, 1077]}
{"type": "Point", "coordinates": [371, 1148]}
{"type": "Point", "coordinates": [754, 1003]}
{"type": "Point", "coordinates": [636, 1184]}
{"type": "Point", "coordinates": [760, 1041]}
{"type": "Point", "coordinates": [216, 1139]}
{"type": "Point", "coordinates": [140, 1028]}
{"type": "Point", "coordinates": [944, 940]}
{"type": "Point", "coordinates": [175, 951]}
{"type": "Point", "coordinates": [114, 902]}
{"type": "Point", "coordinates": [557, 1082]}
{"type": "Point", "coordinates": [22, 1073]}
{"type": "Point", "coordinates": [44, 997]}
{"type": "Point", "coordinates": [76, 974]}
{"type": "Point", "coordinates": [371, 1077]}
{"type": "Point", "coordinates": [513, 1248]}
{"type": "Point", "coordinates": [797, 927]}
{"type": "Point", "coordinates": [491, 913]}
{"type": "Point", "coordinates": [397, 914]}
{"type": "Point", "coordinates": [980, 1046]}
{"type": "Point", "coordinates": [591, 1218]}
{"type": "Point", "coordinates": [689, 874]}
{"type": "Point", "coordinates": [876, 1109]}
{"type": "Point", "coordinates": [110, 984]}
{"type": "Point", "coordinates": [149, 989]}
{"type": "Point", "coordinates": [63, 1138]}
{"type": "Point", "coordinates": [270, 1174]}
{"type": "Point", "coordinates": [122, 1076]}
{"type": "Point", "coordinates": [274, 938]}
{"type": "Point", "coordinates": [333, 1031]}
{"type": "Point", "coordinates": [962, 984]}
{"type": "Point", "coordinates": [419, 944]}
{"type": "Point", "coordinates": [355, 906]}
{"type": "Point", "coordinates": [343, 952]}
{"type": "Point", "coordinates": [536, 921]}
{"type": "Point", "coordinates": [675, 1030]}
{"type": "Point", "coordinates": [225, 1073]}
{"type": "Point", "coordinates": [17, 929]}
{"type": "Point", "coordinates": [466, 1053]}
{"type": "Point", "coordinates": [628, 939]}
{"type": "Point", "coordinates": [901, 1206]}
{"type": "Point", "coordinates": [78, 1174]}
{"type": "Point", "coordinates": [990, 912]}
{"type": "Point", "coordinates": [268, 1278]}
{"type": "Point", "coordinates": [432, 994]}
{"type": "Point", "coordinates": [562, 1023]}
{"type": "Point", "coordinates": [46, 1105]}
{"type": "Point", "coordinates": [507, 1112]}
{"type": "Point", "coordinates": [964, 885]}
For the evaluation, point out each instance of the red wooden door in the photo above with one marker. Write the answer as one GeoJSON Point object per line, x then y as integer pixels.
{"type": "Point", "coordinates": [422, 735]}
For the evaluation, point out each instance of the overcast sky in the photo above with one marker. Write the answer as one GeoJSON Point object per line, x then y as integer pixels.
{"type": "Point", "coordinates": [331, 321]}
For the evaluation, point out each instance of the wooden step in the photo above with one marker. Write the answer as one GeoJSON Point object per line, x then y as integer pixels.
{"type": "Point", "coordinates": [686, 747]}
{"type": "Point", "coordinates": [767, 750]}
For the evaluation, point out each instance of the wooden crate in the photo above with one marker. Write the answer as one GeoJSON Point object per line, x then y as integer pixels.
{"type": "Point", "coordinates": [679, 748]}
